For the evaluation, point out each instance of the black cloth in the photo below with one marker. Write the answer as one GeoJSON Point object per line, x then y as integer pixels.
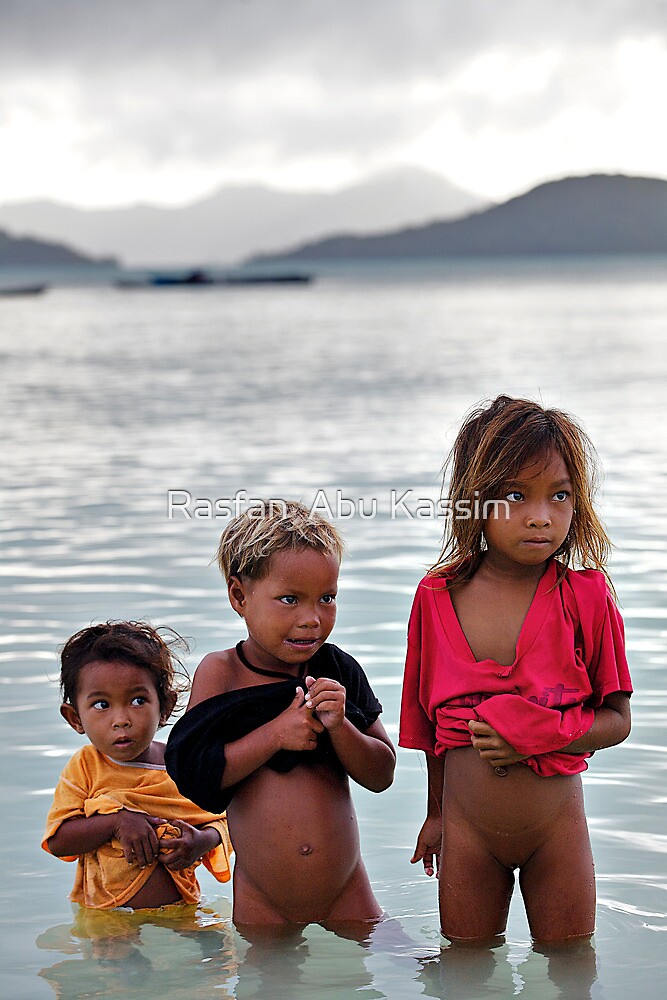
{"type": "Point", "coordinates": [195, 753]}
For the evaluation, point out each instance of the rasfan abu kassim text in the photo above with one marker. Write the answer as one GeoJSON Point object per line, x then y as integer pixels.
{"type": "Point", "coordinates": [404, 504]}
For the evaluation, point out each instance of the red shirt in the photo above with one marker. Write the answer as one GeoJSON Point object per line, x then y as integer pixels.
{"type": "Point", "coordinates": [570, 654]}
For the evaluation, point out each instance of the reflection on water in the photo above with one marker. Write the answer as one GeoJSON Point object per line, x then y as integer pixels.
{"type": "Point", "coordinates": [117, 952]}
{"type": "Point", "coordinates": [112, 953]}
{"type": "Point", "coordinates": [460, 973]}
{"type": "Point", "coordinates": [191, 955]}
{"type": "Point", "coordinates": [356, 383]}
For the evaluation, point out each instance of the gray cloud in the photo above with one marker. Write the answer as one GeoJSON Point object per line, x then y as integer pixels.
{"type": "Point", "coordinates": [359, 38]}
{"type": "Point", "coordinates": [206, 80]}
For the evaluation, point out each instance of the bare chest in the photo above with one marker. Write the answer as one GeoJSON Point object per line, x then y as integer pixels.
{"type": "Point", "coordinates": [491, 618]}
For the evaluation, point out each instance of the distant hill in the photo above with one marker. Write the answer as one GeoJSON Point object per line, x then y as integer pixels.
{"type": "Point", "coordinates": [242, 220]}
{"type": "Point", "coordinates": [599, 214]}
{"type": "Point", "coordinates": [24, 251]}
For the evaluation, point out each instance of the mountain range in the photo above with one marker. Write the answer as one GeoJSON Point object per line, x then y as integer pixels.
{"type": "Point", "coordinates": [597, 214]}
{"type": "Point", "coordinates": [20, 251]}
{"type": "Point", "coordinates": [242, 220]}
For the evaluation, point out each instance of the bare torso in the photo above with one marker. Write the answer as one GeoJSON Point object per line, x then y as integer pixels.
{"type": "Point", "coordinates": [513, 811]}
{"type": "Point", "coordinates": [295, 834]}
{"type": "Point", "coordinates": [296, 864]}
{"type": "Point", "coordinates": [158, 890]}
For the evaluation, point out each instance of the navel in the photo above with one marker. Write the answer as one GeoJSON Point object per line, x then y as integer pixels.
{"type": "Point", "coordinates": [306, 849]}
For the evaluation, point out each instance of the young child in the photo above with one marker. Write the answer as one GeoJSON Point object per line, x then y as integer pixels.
{"type": "Point", "coordinates": [515, 674]}
{"type": "Point", "coordinates": [276, 724]}
{"type": "Point", "coordinates": [116, 811]}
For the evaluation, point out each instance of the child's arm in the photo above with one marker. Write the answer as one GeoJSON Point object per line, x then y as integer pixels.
{"type": "Point", "coordinates": [134, 830]}
{"type": "Point", "coordinates": [611, 725]}
{"type": "Point", "coordinates": [369, 757]}
{"type": "Point", "coordinates": [430, 836]}
{"type": "Point", "coordinates": [294, 729]}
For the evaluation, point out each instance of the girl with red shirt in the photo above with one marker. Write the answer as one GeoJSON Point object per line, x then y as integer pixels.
{"type": "Point", "coordinates": [515, 674]}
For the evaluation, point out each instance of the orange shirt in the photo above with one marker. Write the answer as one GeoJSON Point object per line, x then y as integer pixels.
{"type": "Point", "coordinates": [92, 783]}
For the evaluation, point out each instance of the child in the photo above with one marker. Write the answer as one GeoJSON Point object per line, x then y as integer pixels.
{"type": "Point", "coordinates": [115, 809]}
{"type": "Point", "coordinates": [515, 674]}
{"type": "Point", "coordinates": [276, 724]}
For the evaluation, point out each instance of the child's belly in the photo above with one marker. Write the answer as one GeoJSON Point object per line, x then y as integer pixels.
{"type": "Point", "coordinates": [296, 839]}
{"type": "Point", "coordinates": [515, 812]}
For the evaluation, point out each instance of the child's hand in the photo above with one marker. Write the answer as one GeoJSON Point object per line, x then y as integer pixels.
{"type": "Point", "coordinates": [491, 745]}
{"type": "Point", "coordinates": [135, 831]}
{"type": "Point", "coordinates": [298, 727]}
{"type": "Point", "coordinates": [183, 851]}
{"type": "Point", "coordinates": [428, 845]}
{"type": "Point", "coordinates": [327, 698]}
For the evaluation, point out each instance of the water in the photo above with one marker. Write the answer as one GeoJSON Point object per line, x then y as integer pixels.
{"type": "Point", "coordinates": [356, 383]}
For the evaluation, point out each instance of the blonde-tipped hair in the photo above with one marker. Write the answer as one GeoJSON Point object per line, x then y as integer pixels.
{"type": "Point", "coordinates": [251, 538]}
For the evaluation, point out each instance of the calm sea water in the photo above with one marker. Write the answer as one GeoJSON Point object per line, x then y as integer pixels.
{"type": "Point", "coordinates": [111, 399]}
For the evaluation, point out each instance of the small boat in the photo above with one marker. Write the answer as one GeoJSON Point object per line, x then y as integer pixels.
{"type": "Point", "coordinates": [23, 289]}
{"type": "Point", "coordinates": [163, 279]}
{"type": "Point", "coordinates": [267, 279]}
{"type": "Point", "coordinates": [190, 279]}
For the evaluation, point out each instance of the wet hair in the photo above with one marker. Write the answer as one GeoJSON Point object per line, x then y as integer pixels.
{"type": "Point", "coordinates": [136, 643]}
{"type": "Point", "coordinates": [251, 538]}
{"type": "Point", "coordinates": [495, 441]}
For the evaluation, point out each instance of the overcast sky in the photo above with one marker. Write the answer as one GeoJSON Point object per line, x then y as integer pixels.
{"type": "Point", "coordinates": [107, 102]}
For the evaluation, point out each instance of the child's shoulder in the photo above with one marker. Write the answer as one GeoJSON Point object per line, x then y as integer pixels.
{"type": "Point", "coordinates": [333, 662]}
{"type": "Point", "coordinates": [216, 674]}
{"type": "Point", "coordinates": [588, 594]}
{"type": "Point", "coordinates": [330, 658]}
{"type": "Point", "coordinates": [83, 761]}
{"type": "Point", "coordinates": [86, 754]}
{"type": "Point", "coordinates": [217, 660]}
{"type": "Point", "coordinates": [590, 583]}
{"type": "Point", "coordinates": [434, 582]}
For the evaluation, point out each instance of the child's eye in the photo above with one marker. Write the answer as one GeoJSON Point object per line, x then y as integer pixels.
{"type": "Point", "coordinates": [329, 599]}
{"type": "Point", "coordinates": [288, 599]}
{"type": "Point", "coordinates": [100, 705]}
{"type": "Point", "coordinates": [561, 496]}
{"type": "Point", "coordinates": [139, 700]}
{"type": "Point", "coordinates": [514, 496]}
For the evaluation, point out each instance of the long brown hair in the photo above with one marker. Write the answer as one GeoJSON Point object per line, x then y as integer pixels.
{"type": "Point", "coordinates": [495, 441]}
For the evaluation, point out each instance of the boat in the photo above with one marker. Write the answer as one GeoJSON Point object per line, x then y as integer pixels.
{"type": "Point", "coordinates": [266, 279]}
{"type": "Point", "coordinates": [191, 278]}
{"type": "Point", "coordinates": [163, 279]}
{"type": "Point", "coordinates": [198, 278]}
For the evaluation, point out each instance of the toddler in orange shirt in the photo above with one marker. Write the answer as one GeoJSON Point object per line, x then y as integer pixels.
{"type": "Point", "coordinates": [116, 811]}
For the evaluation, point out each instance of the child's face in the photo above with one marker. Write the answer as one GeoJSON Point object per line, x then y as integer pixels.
{"type": "Point", "coordinates": [541, 509]}
{"type": "Point", "coordinates": [117, 707]}
{"type": "Point", "coordinates": [291, 611]}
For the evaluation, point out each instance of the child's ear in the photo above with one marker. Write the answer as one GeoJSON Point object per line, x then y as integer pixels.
{"type": "Point", "coordinates": [71, 716]}
{"type": "Point", "coordinates": [237, 594]}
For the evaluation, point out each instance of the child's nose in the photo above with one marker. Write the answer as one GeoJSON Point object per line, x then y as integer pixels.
{"type": "Point", "coordinates": [121, 721]}
{"type": "Point", "coordinates": [538, 516]}
{"type": "Point", "coordinates": [311, 617]}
